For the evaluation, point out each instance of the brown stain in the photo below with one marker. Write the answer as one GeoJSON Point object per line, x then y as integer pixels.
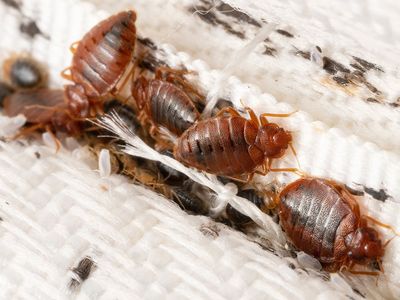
{"type": "Point", "coordinates": [285, 33]}
{"type": "Point", "coordinates": [368, 65]}
{"type": "Point", "coordinates": [211, 18]}
{"type": "Point", "coordinates": [332, 67]}
{"type": "Point", "coordinates": [269, 51]}
{"type": "Point", "coordinates": [13, 3]}
{"type": "Point", "coordinates": [31, 29]}
{"type": "Point", "coordinates": [228, 10]}
{"type": "Point", "coordinates": [330, 82]}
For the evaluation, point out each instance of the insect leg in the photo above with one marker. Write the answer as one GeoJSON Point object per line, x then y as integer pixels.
{"type": "Point", "coordinates": [56, 140]}
{"type": "Point", "coordinates": [66, 74]}
{"type": "Point", "coordinates": [376, 222]}
{"type": "Point", "coordinates": [230, 110]}
{"type": "Point", "coordinates": [253, 116]}
{"type": "Point", "coordinates": [73, 47]}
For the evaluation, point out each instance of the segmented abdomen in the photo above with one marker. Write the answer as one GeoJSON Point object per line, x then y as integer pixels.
{"type": "Point", "coordinates": [218, 146]}
{"type": "Point", "coordinates": [104, 53]}
{"type": "Point", "coordinates": [316, 217]}
{"type": "Point", "coordinates": [171, 107]}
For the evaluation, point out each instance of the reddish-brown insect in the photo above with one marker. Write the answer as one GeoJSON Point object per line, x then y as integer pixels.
{"type": "Point", "coordinates": [164, 103]}
{"type": "Point", "coordinates": [233, 145]}
{"type": "Point", "coordinates": [100, 60]}
{"type": "Point", "coordinates": [323, 219]}
{"type": "Point", "coordinates": [43, 109]}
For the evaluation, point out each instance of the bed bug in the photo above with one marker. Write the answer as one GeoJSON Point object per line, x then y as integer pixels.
{"type": "Point", "coordinates": [124, 111]}
{"type": "Point", "coordinates": [24, 72]}
{"type": "Point", "coordinates": [99, 61]}
{"type": "Point", "coordinates": [323, 219]}
{"type": "Point", "coordinates": [231, 145]}
{"type": "Point", "coordinates": [165, 103]}
{"type": "Point", "coordinates": [43, 109]}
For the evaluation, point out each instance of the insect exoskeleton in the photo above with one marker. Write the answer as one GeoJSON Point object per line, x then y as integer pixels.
{"type": "Point", "coordinates": [323, 219]}
{"type": "Point", "coordinates": [24, 72]}
{"type": "Point", "coordinates": [44, 109]}
{"type": "Point", "coordinates": [164, 102]}
{"type": "Point", "coordinates": [101, 58]}
{"type": "Point", "coordinates": [231, 145]}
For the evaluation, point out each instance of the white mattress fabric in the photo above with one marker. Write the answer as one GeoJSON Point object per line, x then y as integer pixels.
{"type": "Point", "coordinates": [58, 214]}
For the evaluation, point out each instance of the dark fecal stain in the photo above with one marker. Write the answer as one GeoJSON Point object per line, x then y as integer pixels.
{"type": "Point", "coordinates": [292, 266]}
{"type": "Point", "coordinates": [228, 10]}
{"type": "Point", "coordinates": [350, 297]}
{"type": "Point", "coordinates": [332, 67]}
{"type": "Point", "coordinates": [367, 65]}
{"type": "Point", "coordinates": [37, 154]}
{"type": "Point", "coordinates": [358, 292]}
{"type": "Point", "coordinates": [211, 18]}
{"type": "Point", "coordinates": [12, 3]}
{"type": "Point", "coordinates": [1, 219]}
{"type": "Point", "coordinates": [357, 67]}
{"type": "Point", "coordinates": [379, 195]}
{"type": "Point", "coordinates": [372, 88]}
{"type": "Point", "coordinates": [31, 29]}
{"type": "Point", "coordinates": [151, 63]}
{"type": "Point", "coordinates": [303, 54]}
{"type": "Point", "coordinates": [372, 100]}
{"type": "Point", "coordinates": [284, 33]}
{"type": "Point", "coordinates": [148, 43]}
{"type": "Point", "coordinates": [269, 51]}
{"type": "Point", "coordinates": [82, 271]}
{"type": "Point", "coordinates": [354, 191]}
{"type": "Point", "coordinates": [341, 80]}
{"type": "Point", "coordinates": [396, 103]}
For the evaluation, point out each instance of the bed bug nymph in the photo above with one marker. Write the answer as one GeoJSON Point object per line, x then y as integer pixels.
{"type": "Point", "coordinates": [165, 103]}
{"type": "Point", "coordinates": [99, 62]}
{"type": "Point", "coordinates": [231, 145]}
{"type": "Point", "coordinates": [323, 219]}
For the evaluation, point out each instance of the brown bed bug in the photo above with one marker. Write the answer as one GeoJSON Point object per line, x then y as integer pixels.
{"type": "Point", "coordinates": [99, 62]}
{"type": "Point", "coordinates": [323, 219]}
{"type": "Point", "coordinates": [164, 103]}
{"type": "Point", "coordinates": [24, 72]}
{"type": "Point", "coordinates": [231, 145]}
{"type": "Point", "coordinates": [44, 109]}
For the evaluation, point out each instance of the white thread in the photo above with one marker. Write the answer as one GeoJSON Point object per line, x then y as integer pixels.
{"type": "Point", "coordinates": [224, 193]}
{"type": "Point", "coordinates": [238, 56]}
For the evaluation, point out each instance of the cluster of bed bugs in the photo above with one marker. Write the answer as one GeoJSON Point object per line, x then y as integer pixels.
{"type": "Point", "coordinates": [319, 216]}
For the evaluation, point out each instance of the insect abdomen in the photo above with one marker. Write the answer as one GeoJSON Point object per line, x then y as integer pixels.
{"type": "Point", "coordinates": [104, 53]}
{"type": "Point", "coordinates": [217, 146]}
{"type": "Point", "coordinates": [313, 213]}
{"type": "Point", "coordinates": [171, 107]}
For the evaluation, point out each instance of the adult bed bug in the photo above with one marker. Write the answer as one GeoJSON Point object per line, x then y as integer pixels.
{"type": "Point", "coordinates": [164, 103]}
{"type": "Point", "coordinates": [233, 145]}
{"type": "Point", "coordinates": [99, 62]}
{"type": "Point", "coordinates": [323, 219]}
